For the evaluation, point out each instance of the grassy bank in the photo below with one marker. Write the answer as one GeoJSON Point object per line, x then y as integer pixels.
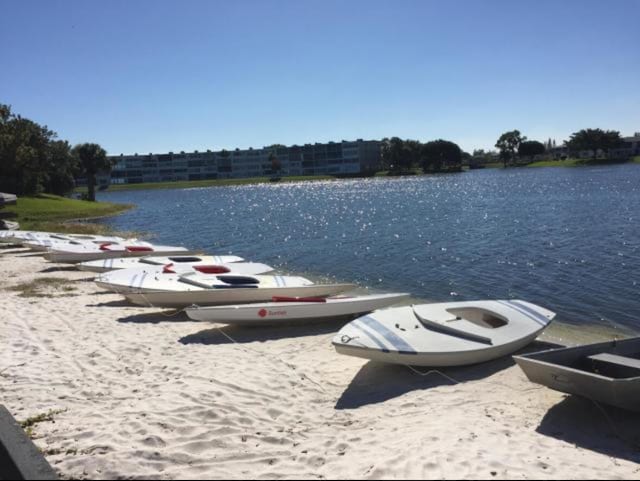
{"type": "Point", "coordinates": [560, 163]}
{"type": "Point", "coordinates": [60, 214]}
{"type": "Point", "coordinates": [190, 184]}
{"type": "Point", "coordinates": [580, 162]}
{"type": "Point", "coordinates": [565, 163]}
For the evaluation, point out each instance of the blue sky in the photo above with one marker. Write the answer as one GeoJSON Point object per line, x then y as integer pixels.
{"type": "Point", "coordinates": [157, 76]}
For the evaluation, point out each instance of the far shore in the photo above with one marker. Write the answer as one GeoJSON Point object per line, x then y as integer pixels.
{"type": "Point", "coordinates": [570, 162]}
{"type": "Point", "coordinates": [193, 184]}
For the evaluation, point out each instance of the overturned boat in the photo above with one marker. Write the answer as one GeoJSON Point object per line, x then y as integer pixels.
{"type": "Point", "coordinates": [62, 242]}
{"type": "Point", "coordinates": [447, 334]}
{"type": "Point", "coordinates": [607, 372]}
{"type": "Point", "coordinates": [40, 239]}
{"type": "Point", "coordinates": [113, 264]}
{"type": "Point", "coordinates": [196, 288]}
{"type": "Point", "coordinates": [6, 236]}
{"type": "Point", "coordinates": [7, 199]}
{"type": "Point", "coordinates": [73, 254]}
{"type": "Point", "coordinates": [294, 309]}
{"type": "Point", "coordinates": [7, 225]}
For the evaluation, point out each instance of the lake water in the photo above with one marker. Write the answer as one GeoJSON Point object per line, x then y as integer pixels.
{"type": "Point", "coordinates": [568, 239]}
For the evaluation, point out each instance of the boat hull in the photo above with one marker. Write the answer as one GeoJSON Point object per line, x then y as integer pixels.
{"type": "Point", "coordinates": [114, 264]}
{"type": "Point", "coordinates": [288, 312]}
{"type": "Point", "coordinates": [9, 226]}
{"type": "Point", "coordinates": [564, 370]}
{"type": "Point", "coordinates": [446, 334]}
{"type": "Point", "coordinates": [436, 359]}
{"type": "Point", "coordinates": [153, 278]}
{"type": "Point", "coordinates": [218, 297]}
{"type": "Point", "coordinates": [64, 257]}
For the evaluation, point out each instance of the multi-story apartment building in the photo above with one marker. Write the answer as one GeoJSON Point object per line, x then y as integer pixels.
{"type": "Point", "coordinates": [631, 146]}
{"type": "Point", "coordinates": [334, 158]}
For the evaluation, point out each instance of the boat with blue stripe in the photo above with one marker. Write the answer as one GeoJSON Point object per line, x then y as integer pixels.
{"type": "Point", "coordinates": [444, 334]}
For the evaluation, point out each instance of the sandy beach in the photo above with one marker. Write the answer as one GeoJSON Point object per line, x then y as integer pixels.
{"type": "Point", "coordinates": [137, 393]}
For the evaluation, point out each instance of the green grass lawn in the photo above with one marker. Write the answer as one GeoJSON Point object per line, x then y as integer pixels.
{"type": "Point", "coordinates": [190, 184]}
{"type": "Point", "coordinates": [559, 163]}
{"type": "Point", "coordinates": [578, 162]}
{"type": "Point", "coordinates": [636, 159]}
{"type": "Point", "coordinates": [60, 214]}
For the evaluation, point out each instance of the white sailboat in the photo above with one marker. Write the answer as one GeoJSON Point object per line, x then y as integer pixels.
{"type": "Point", "coordinates": [73, 254]}
{"type": "Point", "coordinates": [153, 277]}
{"type": "Point", "coordinates": [288, 309]}
{"type": "Point", "coordinates": [182, 290]}
{"type": "Point", "coordinates": [40, 238]}
{"type": "Point", "coordinates": [113, 264]}
{"type": "Point", "coordinates": [61, 242]}
{"type": "Point", "coordinates": [447, 334]}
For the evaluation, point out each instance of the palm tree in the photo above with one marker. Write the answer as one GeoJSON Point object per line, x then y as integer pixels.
{"type": "Point", "coordinates": [92, 160]}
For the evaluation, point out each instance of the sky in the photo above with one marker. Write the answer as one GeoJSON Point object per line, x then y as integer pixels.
{"type": "Point", "coordinates": [157, 75]}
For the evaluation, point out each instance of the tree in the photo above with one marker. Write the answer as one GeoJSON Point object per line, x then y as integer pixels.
{"type": "Point", "coordinates": [400, 155]}
{"type": "Point", "coordinates": [594, 140]}
{"type": "Point", "coordinates": [276, 165]}
{"type": "Point", "coordinates": [24, 147]}
{"type": "Point", "coordinates": [61, 166]}
{"type": "Point", "coordinates": [411, 153]}
{"type": "Point", "coordinates": [440, 154]}
{"type": "Point", "coordinates": [508, 144]}
{"type": "Point", "coordinates": [92, 160]}
{"type": "Point", "coordinates": [611, 140]}
{"type": "Point", "coordinates": [531, 148]}
{"type": "Point", "coordinates": [394, 155]}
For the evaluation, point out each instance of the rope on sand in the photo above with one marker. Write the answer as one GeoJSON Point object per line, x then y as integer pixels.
{"type": "Point", "coordinates": [232, 340]}
{"type": "Point", "coordinates": [163, 313]}
{"type": "Point", "coordinates": [607, 418]}
{"type": "Point", "coordinates": [433, 371]}
{"type": "Point", "coordinates": [616, 432]}
{"type": "Point", "coordinates": [276, 358]}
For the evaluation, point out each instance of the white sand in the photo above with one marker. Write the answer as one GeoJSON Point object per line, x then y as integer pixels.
{"type": "Point", "coordinates": [146, 395]}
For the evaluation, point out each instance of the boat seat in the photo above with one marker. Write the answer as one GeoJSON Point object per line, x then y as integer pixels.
{"type": "Point", "coordinates": [618, 361]}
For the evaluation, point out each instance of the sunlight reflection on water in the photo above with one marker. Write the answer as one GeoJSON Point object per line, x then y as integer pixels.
{"type": "Point", "coordinates": [568, 239]}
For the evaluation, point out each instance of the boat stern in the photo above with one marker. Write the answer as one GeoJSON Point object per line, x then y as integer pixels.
{"type": "Point", "coordinates": [534, 310]}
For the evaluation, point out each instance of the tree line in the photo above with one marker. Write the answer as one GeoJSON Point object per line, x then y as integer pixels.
{"type": "Point", "coordinates": [513, 145]}
{"type": "Point", "coordinates": [33, 160]}
{"type": "Point", "coordinates": [402, 156]}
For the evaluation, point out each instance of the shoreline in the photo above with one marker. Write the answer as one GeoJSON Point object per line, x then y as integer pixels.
{"type": "Point", "coordinates": [198, 184]}
{"type": "Point", "coordinates": [60, 214]}
{"type": "Point", "coordinates": [134, 392]}
{"type": "Point", "coordinates": [567, 163]}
